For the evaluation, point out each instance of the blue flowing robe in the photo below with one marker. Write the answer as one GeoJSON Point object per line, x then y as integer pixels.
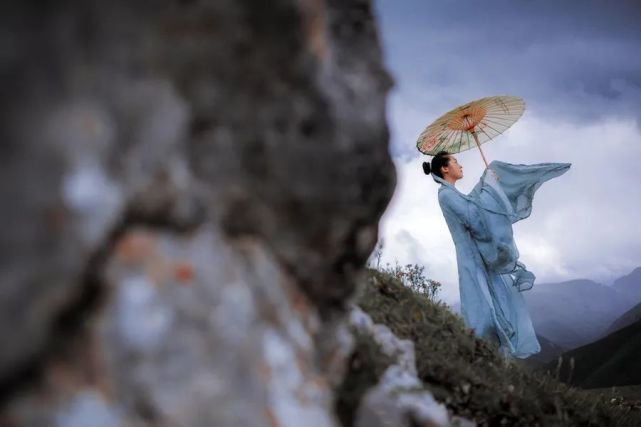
{"type": "Point", "coordinates": [491, 278]}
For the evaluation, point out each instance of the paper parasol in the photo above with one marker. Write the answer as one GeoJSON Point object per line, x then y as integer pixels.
{"type": "Point", "coordinates": [471, 125]}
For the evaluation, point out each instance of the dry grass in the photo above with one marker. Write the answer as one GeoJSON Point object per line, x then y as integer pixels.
{"type": "Point", "coordinates": [469, 375]}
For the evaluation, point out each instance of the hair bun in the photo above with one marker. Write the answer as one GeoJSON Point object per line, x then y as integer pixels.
{"type": "Point", "coordinates": [426, 168]}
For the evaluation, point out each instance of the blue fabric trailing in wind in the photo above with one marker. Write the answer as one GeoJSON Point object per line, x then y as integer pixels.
{"type": "Point", "coordinates": [491, 277]}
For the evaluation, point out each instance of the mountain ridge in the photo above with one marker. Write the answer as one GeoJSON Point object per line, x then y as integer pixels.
{"type": "Point", "coordinates": [629, 317]}
{"type": "Point", "coordinates": [611, 361]}
{"type": "Point", "coordinates": [630, 284]}
{"type": "Point", "coordinates": [576, 312]}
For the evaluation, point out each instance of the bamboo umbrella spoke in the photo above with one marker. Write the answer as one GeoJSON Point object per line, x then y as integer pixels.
{"type": "Point", "coordinates": [471, 125]}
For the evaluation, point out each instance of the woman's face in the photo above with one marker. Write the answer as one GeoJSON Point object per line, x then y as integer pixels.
{"type": "Point", "coordinates": [454, 170]}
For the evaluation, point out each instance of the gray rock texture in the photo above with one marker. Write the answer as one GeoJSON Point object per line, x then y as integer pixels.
{"type": "Point", "coordinates": [190, 191]}
{"type": "Point", "coordinates": [399, 399]}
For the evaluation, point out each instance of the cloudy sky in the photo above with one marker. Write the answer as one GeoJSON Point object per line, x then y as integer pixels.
{"type": "Point", "coordinates": [577, 64]}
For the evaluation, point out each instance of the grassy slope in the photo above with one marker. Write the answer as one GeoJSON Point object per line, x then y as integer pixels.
{"type": "Point", "coordinates": [470, 376]}
{"type": "Point", "coordinates": [629, 392]}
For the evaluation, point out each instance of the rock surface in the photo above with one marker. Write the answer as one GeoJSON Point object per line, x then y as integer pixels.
{"type": "Point", "coordinates": [190, 191]}
{"type": "Point", "coordinates": [399, 399]}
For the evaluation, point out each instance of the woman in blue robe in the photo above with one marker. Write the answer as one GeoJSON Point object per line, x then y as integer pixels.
{"type": "Point", "coordinates": [491, 278]}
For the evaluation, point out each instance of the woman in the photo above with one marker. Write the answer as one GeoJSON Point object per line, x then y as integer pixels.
{"type": "Point", "coordinates": [491, 278]}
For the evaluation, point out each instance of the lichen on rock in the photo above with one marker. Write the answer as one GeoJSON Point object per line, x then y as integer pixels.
{"type": "Point", "coordinates": [193, 190]}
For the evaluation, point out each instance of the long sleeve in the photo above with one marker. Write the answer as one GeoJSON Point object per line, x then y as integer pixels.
{"type": "Point", "coordinates": [519, 183]}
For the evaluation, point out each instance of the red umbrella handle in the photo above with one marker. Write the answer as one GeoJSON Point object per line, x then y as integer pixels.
{"type": "Point", "coordinates": [476, 139]}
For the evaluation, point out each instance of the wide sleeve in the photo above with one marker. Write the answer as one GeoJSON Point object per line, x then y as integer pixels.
{"type": "Point", "coordinates": [519, 183]}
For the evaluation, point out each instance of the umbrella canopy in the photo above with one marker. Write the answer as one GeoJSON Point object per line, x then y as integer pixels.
{"type": "Point", "coordinates": [471, 125]}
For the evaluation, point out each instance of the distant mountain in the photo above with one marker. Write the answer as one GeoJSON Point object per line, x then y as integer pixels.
{"type": "Point", "coordinates": [576, 312]}
{"type": "Point", "coordinates": [611, 361]}
{"type": "Point", "coordinates": [630, 284]}
{"type": "Point", "coordinates": [629, 317]}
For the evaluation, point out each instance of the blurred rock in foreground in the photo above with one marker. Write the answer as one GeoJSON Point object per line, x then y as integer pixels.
{"type": "Point", "coordinates": [190, 190]}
